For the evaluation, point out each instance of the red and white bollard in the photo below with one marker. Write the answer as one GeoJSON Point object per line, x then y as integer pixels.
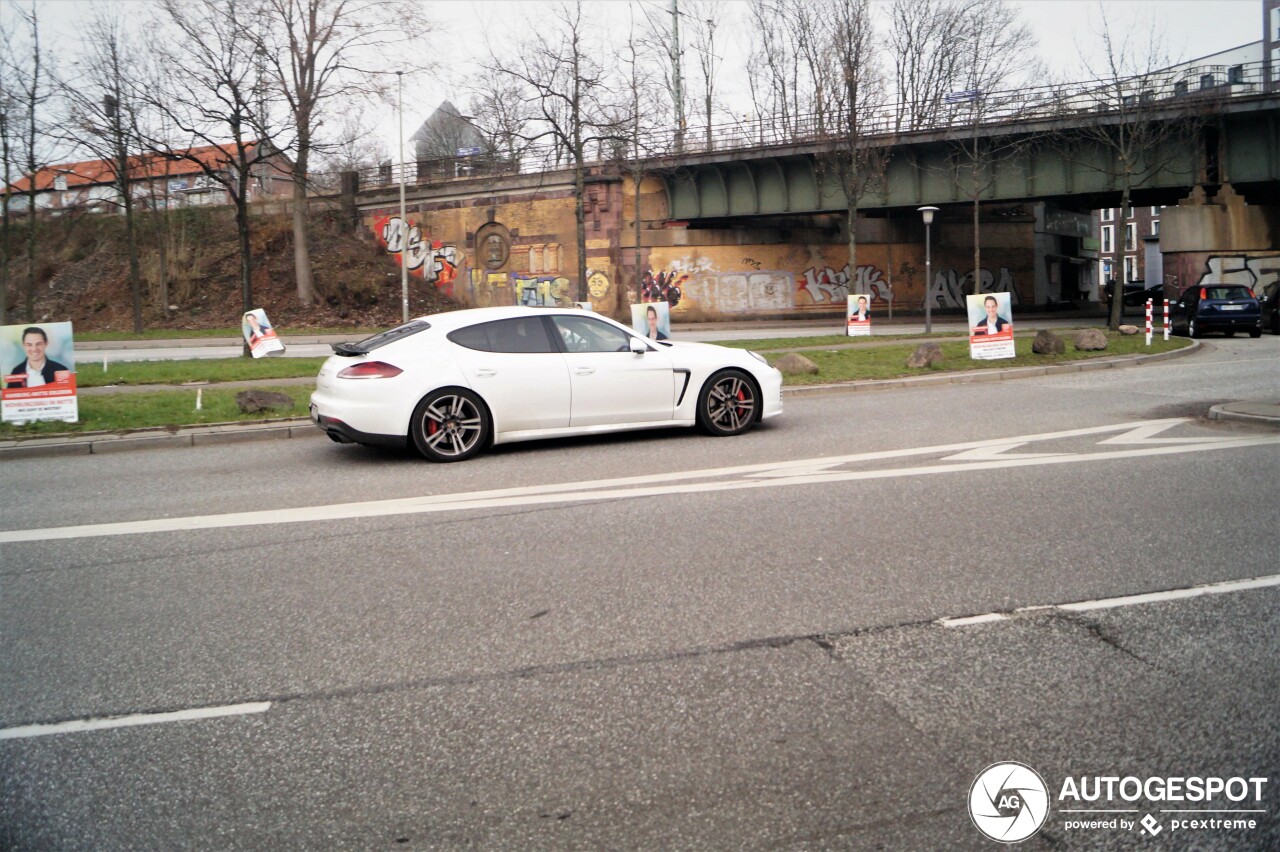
{"type": "Point", "coordinates": [1166, 319]}
{"type": "Point", "coordinates": [1148, 322]}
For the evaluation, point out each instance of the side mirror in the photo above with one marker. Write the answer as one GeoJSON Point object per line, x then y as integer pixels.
{"type": "Point", "coordinates": [638, 346]}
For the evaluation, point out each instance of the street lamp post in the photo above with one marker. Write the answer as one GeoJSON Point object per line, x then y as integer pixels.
{"type": "Point", "coordinates": [404, 221]}
{"type": "Point", "coordinates": [927, 214]}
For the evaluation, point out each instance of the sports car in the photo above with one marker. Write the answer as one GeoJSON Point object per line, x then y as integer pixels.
{"type": "Point", "coordinates": [452, 384]}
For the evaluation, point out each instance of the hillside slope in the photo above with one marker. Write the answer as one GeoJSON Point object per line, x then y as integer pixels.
{"type": "Point", "coordinates": [82, 273]}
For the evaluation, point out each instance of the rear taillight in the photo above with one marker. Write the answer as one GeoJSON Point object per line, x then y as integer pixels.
{"type": "Point", "coordinates": [1204, 293]}
{"type": "Point", "coordinates": [370, 370]}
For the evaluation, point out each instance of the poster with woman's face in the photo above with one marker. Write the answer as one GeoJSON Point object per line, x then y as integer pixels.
{"type": "Point", "coordinates": [652, 320]}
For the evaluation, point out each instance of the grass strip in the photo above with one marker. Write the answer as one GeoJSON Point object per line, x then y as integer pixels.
{"type": "Point", "coordinates": [116, 412]}
{"type": "Point", "coordinates": [890, 362]}
{"type": "Point", "coordinates": [112, 412]}
{"type": "Point", "coordinates": [200, 333]}
{"type": "Point", "coordinates": [213, 370]}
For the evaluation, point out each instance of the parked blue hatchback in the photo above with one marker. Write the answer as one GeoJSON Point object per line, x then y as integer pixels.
{"type": "Point", "coordinates": [1227, 308]}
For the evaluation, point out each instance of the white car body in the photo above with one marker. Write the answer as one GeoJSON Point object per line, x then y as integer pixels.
{"type": "Point", "coordinates": [528, 394]}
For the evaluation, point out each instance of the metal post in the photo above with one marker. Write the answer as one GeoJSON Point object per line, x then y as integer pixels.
{"type": "Point", "coordinates": [404, 221]}
{"type": "Point", "coordinates": [927, 214]}
{"type": "Point", "coordinates": [1166, 319]}
{"type": "Point", "coordinates": [1148, 322]}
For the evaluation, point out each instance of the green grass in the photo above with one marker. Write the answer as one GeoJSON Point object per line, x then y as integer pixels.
{"type": "Point", "coordinates": [890, 362]}
{"type": "Point", "coordinates": [194, 333]}
{"type": "Point", "coordinates": [89, 374]}
{"type": "Point", "coordinates": [115, 412]}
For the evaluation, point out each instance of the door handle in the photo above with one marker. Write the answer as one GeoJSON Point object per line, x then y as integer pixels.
{"type": "Point", "coordinates": [485, 372]}
{"type": "Point", "coordinates": [584, 371]}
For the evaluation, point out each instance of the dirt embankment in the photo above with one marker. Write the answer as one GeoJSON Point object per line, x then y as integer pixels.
{"type": "Point", "coordinates": [190, 261]}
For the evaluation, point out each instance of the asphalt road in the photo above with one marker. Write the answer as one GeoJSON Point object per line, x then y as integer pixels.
{"type": "Point", "coordinates": [660, 640]}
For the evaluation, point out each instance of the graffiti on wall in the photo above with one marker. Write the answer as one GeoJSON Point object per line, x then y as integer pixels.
{"type": "Point", "coordinates": [827, 286]}
{"type": "Point", "coordinates": [741, 292]}
{"type": "Point", "coordinates": [949, 287]}
{"type": "Point", "coordinates": [665, 286]}
{"type": "Point", "coordinates": [550, 291]}
{"type": "Point", "coordinates": [430, 260]}
{"type": "Point", "coordinates": [1252, 272]}
{"type": "Point", "coordinates": [491, 289]}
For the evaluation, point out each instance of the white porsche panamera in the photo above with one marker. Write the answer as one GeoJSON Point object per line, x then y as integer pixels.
{"type": "Point", "coordinates": [452, 384]}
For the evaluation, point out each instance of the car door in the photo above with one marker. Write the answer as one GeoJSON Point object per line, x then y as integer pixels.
{"type": "Point", "coordinates": [518, 371]}
{"type": "Point", "coordinates": [611, 384]}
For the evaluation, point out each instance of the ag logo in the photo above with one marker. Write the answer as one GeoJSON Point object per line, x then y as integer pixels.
{"type": "Point", "coordinates": [1008, 802]}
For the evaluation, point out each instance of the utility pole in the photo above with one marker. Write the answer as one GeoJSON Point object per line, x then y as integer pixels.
{"type": "Point", "coordinates": [676, 81]}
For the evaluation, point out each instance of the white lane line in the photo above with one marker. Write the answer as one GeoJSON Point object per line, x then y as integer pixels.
{"type": "Point", "coordinates": [1127, 600]}
{"type": "Point", "coordinates": [104, 722]}
{"type": "Point", "coordinates": [803, 472]}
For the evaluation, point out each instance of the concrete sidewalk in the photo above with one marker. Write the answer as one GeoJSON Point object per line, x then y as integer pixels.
{"type": "Point", "coordinates": [93, 443]}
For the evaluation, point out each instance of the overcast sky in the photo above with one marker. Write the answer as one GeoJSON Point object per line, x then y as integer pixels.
{"type": "Point", "coordinates": [1065, 30]}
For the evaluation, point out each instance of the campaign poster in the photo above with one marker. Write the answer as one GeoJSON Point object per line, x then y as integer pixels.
{"type": "Point", "coordinates": [585, 306]}
{"type": "Point", "coordinates": [858, 319]}
{"type": "Point", "coordinates": [990, 326]}
{"type": "Point", "coordinates": [652, 319]}
{"type": "Point", "coordinates": [260, 335]}
{"type": "Point", "coordinates": [39, 363]}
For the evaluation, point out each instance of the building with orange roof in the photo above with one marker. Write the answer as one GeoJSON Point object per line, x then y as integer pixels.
{"type": "Point", "coordinates": [158, 181]}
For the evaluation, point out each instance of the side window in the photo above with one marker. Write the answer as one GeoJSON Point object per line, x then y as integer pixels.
{"type": "Point", "coordinates": [525, 334]}
{"type": "Point", "coordinates": [585, 334]}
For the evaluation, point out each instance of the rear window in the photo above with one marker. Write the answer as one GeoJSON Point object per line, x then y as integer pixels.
{"type": "Point", "coordinates": [526, 334]}
{"type": "Point", "coordinates": [1225, 293]}
{"type": "Point", "coordinates": [382, 338]}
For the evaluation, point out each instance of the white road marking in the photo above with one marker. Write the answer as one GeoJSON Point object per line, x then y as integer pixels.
{"type": "Point", "coordinates": [998, 452]}
{"type": "Point", "coordinates": [1127, 600]}
{"type": "Point", "coordinates": [798, 472]}
{"type": "Point", "coordinates": [104, 722]}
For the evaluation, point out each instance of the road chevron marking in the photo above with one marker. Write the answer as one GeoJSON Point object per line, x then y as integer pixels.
{"type": "Point", "coordinates": [1221, 588]}
{"type": "Point", "coordinates": [790, 473]}
{"type": "Point", "coordinates": [999, 452]}
{"type": "Point", "coordinates": [1146, 435]}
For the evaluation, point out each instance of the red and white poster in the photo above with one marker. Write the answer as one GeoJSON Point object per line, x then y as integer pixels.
{"type": "Point", "coordinates": [858, 315]}
{"type": "Point", "coordinates": [39, 373]}
{"type": "Point", "coordinates": [260, 335]}
{"type": "Point", "coordinates": [990, 327]}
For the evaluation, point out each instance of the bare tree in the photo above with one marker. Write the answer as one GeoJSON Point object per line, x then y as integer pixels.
{"type": "Point", "coordinates": [503, 114]}
{"type": "Point", "coordinates": [926, 42]}
{"type": "Point", "coordinates": [702, 23]}
{"type": "Point", "coordinates": [856, 95]}
{"type": "Point", "coordinates": [557, 67]}
{"type": "Point", "coordinates": [104, 107]}
{"type": "Point", "coordinates": [223, 94]}
{"type": "Point", "coordinates": [30, 80]}
{"type": "Point", "coordinates": [350, 149]}
{"type": "Point", "coordinates": [314, 49]}
{"type": "Point", "coordinates": [773, 67]}
{"type": "Point", "coordinates": [1139, 127]}
{"type": "Point", "coordinates": [996, 54]}
{"type": "Point", "coordinates": [8, 114]}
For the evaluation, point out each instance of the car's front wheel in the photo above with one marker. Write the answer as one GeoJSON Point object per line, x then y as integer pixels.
{"type": "Point", "coordinates": [729, 404]}
{"type": "Point", "coordinates": [1192, 331]}
{"type": "Point", "coordinates": [450, 425]}
{"type": "Point", "coordinates": [1255, 332]}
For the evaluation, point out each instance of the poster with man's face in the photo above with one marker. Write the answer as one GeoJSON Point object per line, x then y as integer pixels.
{"type": "Point", "coordinates": [652, 320]}
{"type": "Point", "coordinates": [39, 364]}
{"type": "Point", "coordinates": [858, 316]}
{"type": "Point", "coordinates": [260, 334]}
{"type": "Point", "coordinates": [990, 326]}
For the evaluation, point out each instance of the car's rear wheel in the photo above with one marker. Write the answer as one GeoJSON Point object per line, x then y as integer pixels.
{"type": "Point", "coordinates": [450, 425]}
{"type": "Point", "coordinates": [1255, 332]}
{"type": "Point", "coordinates": [1230, 332]}
{"type": "Point", "coordinates": [729, 404]}
{"type": "Point", "coordinates": [1192, 331]}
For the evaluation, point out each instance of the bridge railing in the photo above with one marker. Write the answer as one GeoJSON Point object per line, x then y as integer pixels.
{"type": "Point", "coordinates": [1196, 86]}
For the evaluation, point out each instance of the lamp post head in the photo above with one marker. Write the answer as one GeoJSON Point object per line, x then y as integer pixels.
{"type": "Point", "coordinates": [927, 213]}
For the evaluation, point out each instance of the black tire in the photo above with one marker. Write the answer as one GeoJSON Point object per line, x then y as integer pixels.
{"type": "Point", "coordinates": [450, 425]}
{"type": "Point", "coordinates": [728, 404]}
{"type": "Point", "coordinates": [1229, 333]}
{"type": "Point", "coordinates": [1192, 331]}
{"type": "Point", "coordinates": [1275, 322]}
{"type": "Point", "coordinates": [1255, 332]}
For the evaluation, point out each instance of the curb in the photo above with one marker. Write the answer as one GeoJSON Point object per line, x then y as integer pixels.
{"type": "Point", "coordinates": [1240, 411]}
{"type": "Point", "coordinates": [302, 427]}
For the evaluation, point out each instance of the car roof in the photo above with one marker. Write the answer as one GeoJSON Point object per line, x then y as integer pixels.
{"type": "Point", "coordinates": [449, 320]}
